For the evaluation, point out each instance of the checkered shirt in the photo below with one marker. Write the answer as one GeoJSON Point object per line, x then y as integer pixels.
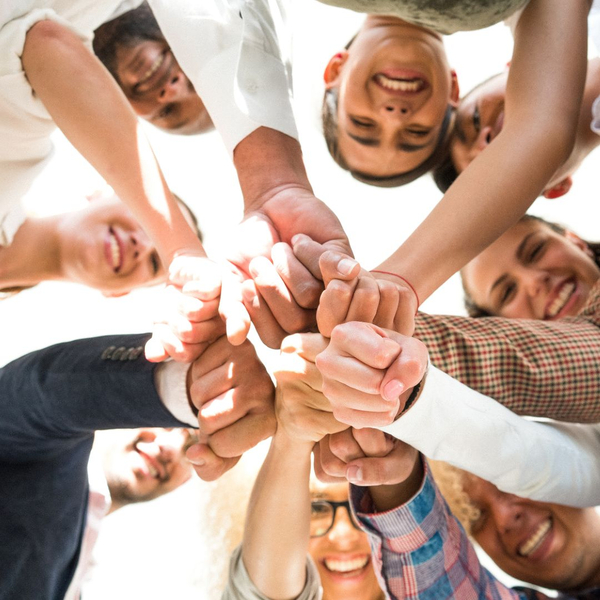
{"type": "Point", "coordinates": [540, 368]}
{"type": "Point", "coordinates": [421, 552]}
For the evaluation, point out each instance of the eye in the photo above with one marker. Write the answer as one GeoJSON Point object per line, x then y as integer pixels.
{"type": "Point", "coordinates": [419, 132]}
{"type": "Point", "coordinates": [154, 263]}
{"type": "Point", "coordinates": [365, 123]}
{"type": "Point", "coordinates": [535, 251]}
{"type": "Point", "coordinates": [476, 119]}
{"type": "Point", "coordinates": [507, 293]}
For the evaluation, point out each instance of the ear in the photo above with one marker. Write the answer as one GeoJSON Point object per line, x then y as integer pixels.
{"type": "Point", "coordinates": [334, 68]}
{"type": "Point", "coordinates": [558, 190]}
{"type": "Point", "coordinates": [114, 294]}
{"type": "Point", "coordinates": [577, 241]}
{"type": "Point", "coordinates": [454, 89]}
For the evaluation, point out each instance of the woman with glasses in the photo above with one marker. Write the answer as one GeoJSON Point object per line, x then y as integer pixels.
{"type": "Point", "coordinates": [300, 538]}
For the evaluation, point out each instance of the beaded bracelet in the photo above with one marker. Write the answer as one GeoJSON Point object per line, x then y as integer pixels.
{"type": "Point", "coordinates": [408, 283]}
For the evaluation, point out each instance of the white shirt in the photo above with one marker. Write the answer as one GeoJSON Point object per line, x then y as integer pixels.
{"type": "Point", "coordinates": [25, 125]}
{"type": "Point", "coordinates": [231, 52]}
{"type": "Point", "coordinates": [546, 461]}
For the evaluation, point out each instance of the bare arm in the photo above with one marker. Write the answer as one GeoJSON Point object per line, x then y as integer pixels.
{"type": "Point", "coordinates": [542, 107]}
{"type": "Point", "coordinates": [92, 112]}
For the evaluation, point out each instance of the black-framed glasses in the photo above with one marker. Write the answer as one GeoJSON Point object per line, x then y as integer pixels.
{"type": "Point", "coordinates": [322, 516]}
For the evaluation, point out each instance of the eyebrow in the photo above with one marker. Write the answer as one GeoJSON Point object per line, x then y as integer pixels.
{"type": "Point", "coordinates": [374, 142]}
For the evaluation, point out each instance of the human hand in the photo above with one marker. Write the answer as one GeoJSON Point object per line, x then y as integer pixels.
{"type": "Point", "coordinates": [302, 410]}
{"type": "Point", "coordinates": [234, 396]}
{"type": "Point", "coordinates": [354, 294]}
{"type": "Point", "coordinates": [368, 373]}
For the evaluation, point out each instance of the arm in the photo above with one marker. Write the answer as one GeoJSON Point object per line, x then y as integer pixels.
{"type": "Point", "coordinates": [537, 137]}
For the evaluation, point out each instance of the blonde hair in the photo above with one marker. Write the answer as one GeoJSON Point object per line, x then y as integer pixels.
{"type": "Point", "coordinates": [450, 481]}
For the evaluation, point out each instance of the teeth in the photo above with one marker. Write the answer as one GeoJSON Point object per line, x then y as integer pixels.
{"type": "Point", "coordinates": [153, 68]}
{"type": "Point", "coordinates": [536, 539]}
{"type": "Point", "coordinates": [152, 470]}
{"type": "Point", "coordinates": [346, 566]}
{"type": "Point", "coordinates": [402, 85]}
{"type": "Point", "coordinates": [560, 300]}
{"type": "Point", "coordinates": [115, 251]}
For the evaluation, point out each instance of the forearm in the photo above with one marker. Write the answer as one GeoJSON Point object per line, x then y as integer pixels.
{"type": "Point", "coordinates": [90, 109]}
{"type": "Point", "coordinates": [388, 497]}
{"type": "Point", "coordinates": [278, 520]}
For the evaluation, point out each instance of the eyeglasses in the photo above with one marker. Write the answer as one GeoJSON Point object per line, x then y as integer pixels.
{"type": "Point", "coordinates": [322, 516]}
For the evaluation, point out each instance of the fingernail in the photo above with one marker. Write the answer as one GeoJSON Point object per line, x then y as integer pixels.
{"type": "Point", "coordinates": [248, 293]}
{"type": "Point", "coordinates": [195, 460]}
{"type": "Point", "coordinates": [354, 474]}
{"type": "Point", "coordinates": [345, 266]}
{"type": "Point", "coordinates": [392, 390]}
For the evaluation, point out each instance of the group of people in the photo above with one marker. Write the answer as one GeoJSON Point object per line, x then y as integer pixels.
{"type": "Point", "coordinates": [413, 423]}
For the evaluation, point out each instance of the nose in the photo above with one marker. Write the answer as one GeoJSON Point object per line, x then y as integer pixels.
{"type": "Point", "coordinates": [535, 282]}
{"type": "Point", "coordinates": [140, 245]}
{"type": "Point", "coordinates": [343, 533]}
{"type": "Point", "coordinates": [508, 514]}
{"type": "Point", "coordinates": [175, 88]}
{"type": "Point", "coordinates": [398, 109]}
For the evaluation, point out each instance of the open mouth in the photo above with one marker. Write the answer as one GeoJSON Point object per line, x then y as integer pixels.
{"type": "Point", "coordinates": [151, 464]}
{"type": "Point", "coordinates": [405, 85]}
{"type": "Point", "coordinates": [561, 300]}
{"type": "Point", "coordinates": [114, 252]}
{"type": "Point", "coordinates": [536, 539]}
{"type": "Point", "coordinates": [347, 568]}
{"type": "Point", "coordinates": [158, 61]}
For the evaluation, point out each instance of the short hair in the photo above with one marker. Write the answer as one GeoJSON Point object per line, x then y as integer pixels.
{"type": "Point", "coordinates": [476, 311]}
{"type": "Point", "coordinates": [330, 131]}
{"type": "Point", "coordinates": [9, 292]}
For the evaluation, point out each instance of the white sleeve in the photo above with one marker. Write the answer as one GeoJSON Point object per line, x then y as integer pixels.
{"type": "Point", "coordinates": [549, 461]}
{"type": "Point", "coordinates": [230, 51]}
{"type": "Point", "coordinates": [170, 379]}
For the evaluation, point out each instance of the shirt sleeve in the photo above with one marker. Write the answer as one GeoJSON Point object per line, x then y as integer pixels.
{"type": "Point", "coordinates": [240, 586]}
{"type": "Point", "coordinates": [537, 368]}
{"type": "Point", "coordinates": [230, 50]}
{"type": "Point", "coordinates": [420, 550]}
{"type": "Point", "coordinates": [551, 462]}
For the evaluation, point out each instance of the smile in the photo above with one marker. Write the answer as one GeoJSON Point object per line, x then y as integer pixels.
{"type": "Point", "coordinates": [150, 464]}
{"type": "Point", "coordinates": [158, 61]}
{"type": "Point", "coordinates": [346, 566]}
{"type": "Point", "coordinates": [113, 251]}
{"type": "Point", "coordinates": [561, 299]}
{"type": "Point", "coordinates": [406, 85]}
{"type": "Point", "coordinates": [536, 539]}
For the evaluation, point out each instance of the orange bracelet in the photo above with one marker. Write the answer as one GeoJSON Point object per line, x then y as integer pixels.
{"type": "Point", "coordinates": [408, 283]}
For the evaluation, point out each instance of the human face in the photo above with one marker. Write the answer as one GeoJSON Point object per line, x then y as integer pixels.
{"type": "Point", "coordinates": [479, 119]}
{"type": "Point", "coordinates": [545, 544]}
{"type": "Point", "coordinates": [343, 555]}
{"type": "Point", "coordinates": [532, 272]}
{"type": "Point", "coordinates": [394, 86]}
{"type": "Point", "coordinates": [103, 246]}
{"type": "Point", "coordinates": [157, 88]}
{"type": "Point", "coordinates": [144, 464]}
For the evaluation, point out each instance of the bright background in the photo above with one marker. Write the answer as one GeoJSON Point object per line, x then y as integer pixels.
{"type": "Point", "coordinates": [173, 547]}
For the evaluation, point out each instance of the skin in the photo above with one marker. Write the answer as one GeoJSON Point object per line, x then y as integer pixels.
{"type": "Point", "coordinates": [480, 118]}
{"type": "Point", "coordinates": [398, 129]}
{"type": "Point", "coordinates": [165, 97]}
{"type": "Point", "coordinates": [567, 558]}
{"type": "Point", "coordinates": [521, 274]}
{"type": "Point", "coordinates": [342, 542]}
{"type": "Point", "coordinates": [145, 464]}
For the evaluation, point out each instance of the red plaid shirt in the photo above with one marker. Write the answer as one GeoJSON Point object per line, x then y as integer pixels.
{"type": "Point", "coordinates": [541, 368]}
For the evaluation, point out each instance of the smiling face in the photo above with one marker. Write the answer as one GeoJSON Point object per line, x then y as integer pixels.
{"type": "Point", "coordinates": [545, 544]}
{"type": "Point", "coordinates": [532, 272]}
{"type": "Point", "coordinates": [136, 54]}
{"type": "Point", "coordinates": [394, 86]}
{"type": "Point", "coordinates": [104, 247]}
{"type": "Point", "coordinates": [146, 463]}
{"type": "Point", "coordinates": [343, 555]}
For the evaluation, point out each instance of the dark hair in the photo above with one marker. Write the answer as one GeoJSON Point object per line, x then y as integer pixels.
{"type": "Point", "coordinates": [330, 131]}
{"type": "Point", "coordinates": [476, 311]}
{"type": "Point", "coordinates": [9, 292]}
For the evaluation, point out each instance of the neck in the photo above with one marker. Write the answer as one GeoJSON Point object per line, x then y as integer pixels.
{"type": "Point", "coordinates": [33, 255]}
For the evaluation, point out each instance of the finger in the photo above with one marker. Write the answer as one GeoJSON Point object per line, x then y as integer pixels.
{"type": "Point", "coordinates": [305, 288]}
{"type": "Point", "coordinates": [205, 273]}
{"type": "Point", "coordinates": [348, 371]}
{"type": "Point", "coordinates": [271, 287]}
{"type": "Point", "coordinates": [165, 343]}
{"type": "Point", "coordinates": [207, 464]}
{"type": "Point", "coordinates": [388, 304]}
{"type": "Point", "coordinates": [232, 309]}
{"type": "Point", "coordinates": [335, 265]}
{"type": "Point", "coordinates": [318, 469]}
{"type": "Point", "coordinates": [334, 305]}
{"type": "Point", "coordinates": [330, 464]}
{"type": "Point", "coordinates": [194, 309]}
{"type": "Point", "coordinates": [217, 354]}
{"type": "Point", "coordinates": [373, 442]}
{"type": "Point", "coordinates": [340, 394]}
{"type": "Point", "coordinates": [406, 371]}
{"type": "Point", "coordinates": [344, 446]}
{"type": "Point", "coordinates": [308, 252]}
{"type": "Point", "coordinates": [365, 300]}
{"type": "Point", "coordinates": [396, 467]}
{"type": "Point", "coordinates": [291, 369]}
{"type": "Point", "coordinates": [361, 418]}
{"type": "Point", "coordinates": [196, 332]}
{"type": "Point", "coordinates": [306, 345]}
{"type": "Point", "coordinates": [219, 412]}
{"type": "Point", "coordinates": [242, 435]}
{"type": "Point", "coordinates": [267, 327]}
{"type": "Point", "coordinates": [155, 351]}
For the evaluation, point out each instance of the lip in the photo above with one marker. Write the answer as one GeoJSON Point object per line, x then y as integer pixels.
{"type": "Point", "coordinates": [108, 253]}
{"type": "Point", "coordinates": [152, 464]}
{"type": "Point", "coordinates": [401, 74]}
{"type": "Point", "coordinates": [542, 551]}
{"type": "Point", "coordinates": [351, 577]}
{"type": "Point", "coordinates": [569, 308]}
